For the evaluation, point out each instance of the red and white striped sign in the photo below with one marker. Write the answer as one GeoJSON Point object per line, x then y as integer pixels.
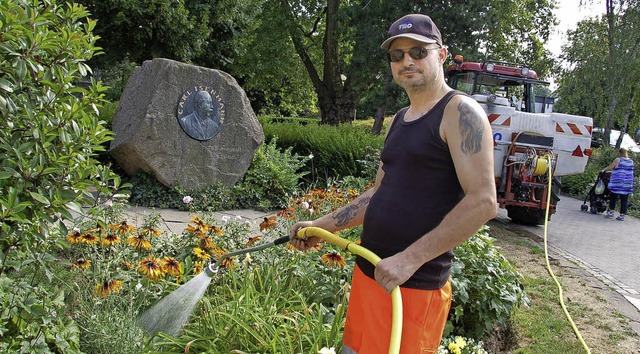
{"type": "Point", "coordinates": [573, 129]}
{"type": "Point", "coordinates": [500, 119]}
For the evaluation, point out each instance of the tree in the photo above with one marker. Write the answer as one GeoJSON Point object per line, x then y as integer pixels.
{"type": "Point", "coordinates": [604, 68]}
{"type": "Point", "coordinates": [311, 24]}
{"type": "Point", "coordinates": [268, 67]}
{"type": "Point", "coordinates": [147, 29]}
{"type": "Point", "coordinates": [500, 30]}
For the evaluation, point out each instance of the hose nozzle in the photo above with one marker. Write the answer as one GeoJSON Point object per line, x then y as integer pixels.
{"type": "Point", "coordinates": [211, 269]}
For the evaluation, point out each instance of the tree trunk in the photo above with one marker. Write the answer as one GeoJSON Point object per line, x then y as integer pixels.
{"type": "Point", "coordinates": [382, 109]}
{"type": "Point", "coordinates": [627, 114]}
{"type": "Point", "coordinates": [337, 110]}
{"type": "Point", "coordinates": [335, 95]}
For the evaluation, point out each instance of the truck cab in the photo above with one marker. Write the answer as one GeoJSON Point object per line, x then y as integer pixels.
{"type": "Point", "coordinates": [501, 83]}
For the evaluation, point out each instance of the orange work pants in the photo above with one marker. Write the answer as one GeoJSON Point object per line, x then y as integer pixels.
{"type": "Point", "coordinates": [368, 324]}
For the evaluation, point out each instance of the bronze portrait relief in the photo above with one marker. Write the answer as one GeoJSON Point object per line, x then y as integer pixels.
{"type": "Point", "coordinates": [200, 112]}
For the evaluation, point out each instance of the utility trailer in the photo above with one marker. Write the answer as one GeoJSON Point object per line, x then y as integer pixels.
{"type": "Point", "coordinates": [529, 138]}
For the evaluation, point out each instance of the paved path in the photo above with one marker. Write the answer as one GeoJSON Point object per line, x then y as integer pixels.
{"type": "Point", "coordinates": [607, 248]}
{"type": "Point", "coordinates": [176, 221]}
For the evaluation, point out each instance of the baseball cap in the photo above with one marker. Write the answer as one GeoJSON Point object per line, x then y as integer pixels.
{"type": "Point", "coordinates": [416, 26]}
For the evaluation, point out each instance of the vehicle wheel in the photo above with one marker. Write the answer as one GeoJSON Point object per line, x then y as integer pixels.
{"type": "Point", "coordinates": [593, 210]}
{"type": "Point", "coordinates": [584, 207]}
{"type": "Point", "coordinates": [525, 215]}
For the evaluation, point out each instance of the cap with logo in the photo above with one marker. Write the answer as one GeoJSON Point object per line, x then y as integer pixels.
{"type": "Point", "coordinates": [415, 26]}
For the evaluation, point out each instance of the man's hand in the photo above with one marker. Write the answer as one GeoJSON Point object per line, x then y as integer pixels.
{"type": "Point", "coordinates": [302, 245]}
{"type": "Point", "coordinates": [394, 271]}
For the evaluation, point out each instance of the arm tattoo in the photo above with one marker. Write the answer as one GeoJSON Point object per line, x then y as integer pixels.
{"type": "Point", "coordinates": [348, 213]}
{"type": "Point", "coordinates": [471, 129]}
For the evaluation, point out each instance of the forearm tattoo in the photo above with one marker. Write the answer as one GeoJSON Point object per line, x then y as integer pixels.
{"type": "Point", "coordinates": [342, 217]}
{"type": "Point", "coordinates": [471, 129]}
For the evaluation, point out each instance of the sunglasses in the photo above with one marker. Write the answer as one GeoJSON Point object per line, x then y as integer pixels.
{"type": "Point", "coordinates": [416, 53]}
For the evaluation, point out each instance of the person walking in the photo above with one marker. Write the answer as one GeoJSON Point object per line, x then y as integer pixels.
{"type": "Point", "coordinates": [620, 184]}
{"type": "Point", "coordinates": [433, 190]}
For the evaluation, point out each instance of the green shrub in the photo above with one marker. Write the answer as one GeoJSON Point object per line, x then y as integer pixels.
{"type": "Point", "coordinates": [49, 136]}
{"type": "Point", "coordinates": [34, 321]}
{"type": "Point", "coordinates": [147, 191]}
{"type": "Point", "coordinates": [335, 152]}
{"type": "Point", "coordinates": [272, 178]}
{"type": "Point", "coordinates": [486, 288]}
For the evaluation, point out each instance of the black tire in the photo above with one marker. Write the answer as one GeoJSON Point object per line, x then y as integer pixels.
{"type": "Point", "coordinates": [584, 207]}
{"type": "Point", "coordinates": [594, 210]}
{"type": "Point", "coordinates": [525, 215]}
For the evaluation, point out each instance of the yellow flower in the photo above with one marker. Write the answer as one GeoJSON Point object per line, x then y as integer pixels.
{"type": "Point", "coordinates": [202, 254]}
{"type": "Point", "coordinates": [199, 224]}
{"type": "Point", "coordinates": [333, 259]}
{"type": "Point", "coordinates": [89, 238]}
{"type": "Point", "coordinates": [81, 263]}
{"type": "Point", "coordinates": [122, 228]}
{"type": "Point", "coordinates": [461, 342]}
{"type": "Point", "coordinates": [216, 230]}
{"type": "Point", "coordinates": [127, 264]}
{"type": "Point", "coordinates": [201, 234]}
{"type": "Point", "coordinates": [110, 240]}
{"type": "Point", "coordinates": [227, 263]}
{"type": "Point", "coordinates": [217, 251]}
{"type": "Point", "coordinates": [74, 237]}
{"type": "Point", "coordinates": [453, 347]}
{"type": "Point", "coordinates": [108, 287]}
{"type": "Point", "coordinates": [268, 223]}
{"type": "Point", "coordinates": [207, 244]}
{"type": "Point", "coordinates": [198, 267]}
{"type": "Point", "coordinates": [252, 240]}
{"type": "Point", "coordinates": [171, 266]}
{"type": "Point", "coordinates": [139, 242]}
{"type": "Point", "coordinates": [150, 268]}
{"type": "Point", "coordinates": [286, 213]}
{"type": "Point", "coordinates": [151, 232]}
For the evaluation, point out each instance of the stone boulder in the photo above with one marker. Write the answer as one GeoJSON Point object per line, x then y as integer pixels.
{"type": "Point", "coordinates": [152, 134]}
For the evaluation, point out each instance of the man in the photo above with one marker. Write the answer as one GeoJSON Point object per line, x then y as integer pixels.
{"type": "Point", "coordinates": [198, 123]}
{"type": "Point", "coordinates": [434, 189]}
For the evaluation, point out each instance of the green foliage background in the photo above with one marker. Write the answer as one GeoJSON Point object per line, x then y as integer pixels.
{"type": "Point", "coordinates": [337, 152]}
{"type": "Point", "coordinates": [49, 135]}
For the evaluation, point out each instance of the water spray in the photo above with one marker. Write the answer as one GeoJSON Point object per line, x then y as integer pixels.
{"type": "Point", "coordinates": [171, 313]}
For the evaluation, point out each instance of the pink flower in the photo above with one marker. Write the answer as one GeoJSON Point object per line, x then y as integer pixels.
{"type": "Point", "coordinates": [187, 199]}
{"type": "Point", "coordinates": [108, 203]}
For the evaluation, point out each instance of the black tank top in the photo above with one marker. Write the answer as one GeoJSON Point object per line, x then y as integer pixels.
{"type": "Point", "coordinates": [419, 188]}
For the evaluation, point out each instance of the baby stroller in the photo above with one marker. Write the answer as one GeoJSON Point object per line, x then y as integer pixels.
{"type": "Point", "coordinates": [598, 196]}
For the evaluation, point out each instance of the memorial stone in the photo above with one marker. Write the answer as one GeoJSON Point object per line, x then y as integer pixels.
{"type": "Point", "coordinates": [186, 125]}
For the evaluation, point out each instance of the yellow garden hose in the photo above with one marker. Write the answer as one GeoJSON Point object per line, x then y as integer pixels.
{"type": "Point", "coordinates": [546, 256]}
{"type": "Point", "coordinates": [396, 297]}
